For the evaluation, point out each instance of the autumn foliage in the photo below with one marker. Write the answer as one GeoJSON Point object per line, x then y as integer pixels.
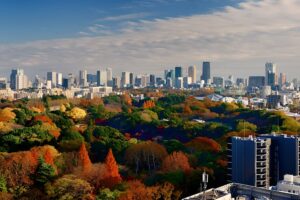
{"type": "Point", "coordinates": [148, 104]}
{"type": "Point", "coordinates": [112, 176]}
{"type": "Point", "coordinates": [84, 159]}
{"type": "Point", "coordinates": [176, 161]}
{"type": "Point", "coordinates": [204, 144]}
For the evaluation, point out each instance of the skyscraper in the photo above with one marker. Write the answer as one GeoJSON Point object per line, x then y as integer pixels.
{"type": "Point", "coordinates": [18, 80]}
{"type": "Point", "coordinates": [178, 72]}
{"type": "Point", "coordinates": [109, 77]}
{"type": "Point", "coordinates": [83, 78]}
{"type": "Point", "coordinates": [59, 79]}
{"type": "Point", "coordinates": [192, 72]}
{"type": "Point", "coordinates": [206, 72]}
{"type": "Point", "coordinates": [101, 77]}
{"type": "Point", "coordinates": [271, 77]}
{"type": "Point", "coordinates": [52, 76]}
{"type": "Point", "coordinates": [282, 79]}
{"type": "Point", "coordinates": [125, 79]}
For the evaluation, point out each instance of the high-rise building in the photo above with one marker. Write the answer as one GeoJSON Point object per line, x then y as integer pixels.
{"type": "Point", "coordinates": [249, 161]}
{"type": "Point", "coordinates": [240, 82]}
{"type": "Point", "coordinates": [92, 78]}
{"type": "Point", "coordinates": [178, 72]}
{"type": "Point", "coordinates": [125, 79]}
{"type": "Point", "coordinates": [101, 77]}
{"type": "Point", "coordinates": [170, 77]}
{"type": "Point", "coordinates": [179, 82]}
{"type": "Point", "coordinates": [192, 72]}
{"type": "Point", "coordinates": [131, 79]}
{"type": "Point", "coordinates": [218, 81]}
{"type": "Point", "coordinates": [256, 81]}
{"type": "Point", "coordinates": [116, 82]}
{"type": "Point", "coordinates": [206, 72]}
{"type": "Point", "coordinates": [52, 76]}
{"type": "Point", "coordinates": [187, 81]}
{"type": "Point", "coordinates": [18, 80]}
{"type": "Point", "coordinates": [109, 76]}
{"type": "Point", "coordinates": [282, 79]}
{"type": "Point", "coordinates": [264, 160]}
{"type": "Point", "coordinates": [83, 78]}
{"type": "Point", "coordinates": [3, 83]}
{"type": "Point", "coordinates": [152, 80]}
{"type": "Point", "coordinates": [271, 74]}
{"type": "Point", "coordinates": [59, 79]}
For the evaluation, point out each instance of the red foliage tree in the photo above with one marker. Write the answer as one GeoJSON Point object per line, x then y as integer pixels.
{"type": "Point", "coordinates": [148, 104]}
{"type": "Point", "coordinates": [204, 144]}
{"type": "Point", "coordinates": [84, 159]}
{"type": "Point", "coordinates": [112, 176]}
{"type": "Point", "coordinates": [176, 161]}
{"type": "Point", "coordinates": [48, 157]}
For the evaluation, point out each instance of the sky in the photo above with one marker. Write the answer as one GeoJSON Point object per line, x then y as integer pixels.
{"type": "Point", "coordinates": [147, 36]}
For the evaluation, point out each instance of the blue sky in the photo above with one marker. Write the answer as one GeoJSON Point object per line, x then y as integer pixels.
{"type": "Point", "coordinates": [148, 36]}
{"type": "Point", "coordinates": [28, 20]}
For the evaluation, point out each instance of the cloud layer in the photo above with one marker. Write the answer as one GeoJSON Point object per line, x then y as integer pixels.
{"type": "Point", "coordinates": [236, 40]}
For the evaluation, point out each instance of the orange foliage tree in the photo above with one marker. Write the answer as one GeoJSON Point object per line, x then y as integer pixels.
{"type": "Point", "coordinates": [112, 176]}
{"type": "Point", "coordinates": [49, 158]}
{"type": "Point", "coordinates": [204, 144]}
{"type": "Point", "coordinates": [176, 161]}
{"type": "Point", "coordinates": [148, 104]}
{"type": "Point", "coordinates": [84, 159]}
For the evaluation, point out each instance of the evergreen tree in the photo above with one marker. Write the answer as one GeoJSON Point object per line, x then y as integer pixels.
{"type": "Point", "coordinates": [44, 172]}
{"type": "Point", "coordinates": [3, 187]}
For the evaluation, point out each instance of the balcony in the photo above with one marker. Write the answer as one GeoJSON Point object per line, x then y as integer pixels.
{"type": "Point", "coordinates": [261, 171]}
{"type": "Point", "coordinates": [261, 158]}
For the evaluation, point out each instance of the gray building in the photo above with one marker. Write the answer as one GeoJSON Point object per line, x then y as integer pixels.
{"type": "Point", "coordinates": [256, 81]}
{"type": "Point", "coordinates": [206, 72]}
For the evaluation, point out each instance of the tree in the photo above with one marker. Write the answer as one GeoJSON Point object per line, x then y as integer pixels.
{"type": "Point", "coordinates": [176, 161]}
{"type": "Point", "coordinates": [204, 144]}
{"type": "Point", "coordinates": [148, 104]}
{"type": "Point", "coordinates": [112, 172]}
{"type": "Point", "coordinates": [145, 155]}
{"type": "Point", "coordinates": [44, 172]}
{"type": "Point", "coordinates": [76, 113]}
{"type": "Point", "coordinates": [3, 187]}
{"type": "Point", "coordinates": [84, 159]}
{"type": "Point", "coordinates": [69, 187]}
{"type": "Point", "coordinates": [49, 157]}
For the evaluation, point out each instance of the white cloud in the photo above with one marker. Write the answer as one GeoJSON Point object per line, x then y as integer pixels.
{"type": "Point", "coordinates": [124, 17]}
{"type": "Point", "coordinates": [236, 40]}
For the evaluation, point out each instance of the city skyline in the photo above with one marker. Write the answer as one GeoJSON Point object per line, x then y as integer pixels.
{"type": "Point", "coordinates": [234, 35]}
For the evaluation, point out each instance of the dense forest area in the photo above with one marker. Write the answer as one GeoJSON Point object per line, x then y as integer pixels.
{"type": "Point", "coordinates": [116, 147]}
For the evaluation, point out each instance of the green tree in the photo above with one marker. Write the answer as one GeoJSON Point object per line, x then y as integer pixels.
{"type": "Point", "coordinates": [107, 194]}
{"type": "Point", "coordinates": [3, 187]}
{"type": "Point", "coordinates": [44, 172]}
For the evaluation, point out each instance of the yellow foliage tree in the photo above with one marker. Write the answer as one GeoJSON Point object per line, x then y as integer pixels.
{"type": "Point", "coordinates": [76, 113]}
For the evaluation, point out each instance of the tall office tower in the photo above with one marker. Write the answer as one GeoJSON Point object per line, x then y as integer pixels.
{"type": "Point", "coordinates": [170, 76]}
{"type": "Point", "coordinates": [125, 79]}
{"type": "Point", "coordinates": [240, 82]}
{"type": "Point", "coordinates": [179, 82]}
{"type": "Point", "coordinates": [152, 80]}
{"type": "Point", "coordinates": [282, 79]}
{"type": "Point", "coordinates": [192, 72]}
{"type": "Point", "coordinates": [131, 79]}
{"type": "Point", "coordinates": [206, 72]}
{"type": "Point", "coordinates": [109, 77]}
{"type": "Point", "coordinates": [187, 81]}
{"type": "Point", "coordinates": [52, 76]}
{"type": "Point", "coordinates": [13, 77]}
{"type": "Point", "coordinates": [249, 161]}
{"type": "Point", "coordinates": [101, 77]}
{"type": "Point", "coordinates": [284, 156]}
{"type": "Point", "coordinates": [145, 80]}
{"type": "Point", "coordinates": [256, 81]}
{"type": "Point", "coordinates": [271, 74]}
{"type": "Point", "coordinates": [59, 79]}
{"type": "Point", "coordinates": [178, 72]}
{"type": "Point", "coordinates": [218, 81]}
{"type": "Point", "coordinates": [83, 78]}
{"type": "Point", "coordinates": [116, 82]}
{"type": "Point", "coordinates": [18, 80]}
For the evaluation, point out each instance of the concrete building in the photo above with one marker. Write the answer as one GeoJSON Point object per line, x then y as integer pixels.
{"type": "Point", "coordinates": [192, 72]}
{"type": "Point", "coordinates": [206, 72]}
{"type": "Point", "coordinates": [256, 81]}
{"type": "Point", "coordinates": [101, 78]}
{"type": "Point", "coordinates": [83, 78]}
{"type": "Point", "coordinates": [235, 191]}
{"type": "Point", "coordinates": [52, 76]}
{"type": "Point", "coordinates": [218, 81]}
{"type": "Point", "coordinates": [109, 77]}
{"type": "Point", "coordinates": [263, 161]}
{"type": "Point", "coordinates": [282, 79]}
{"type": "Point", "coordinates": [249, 161]}
{"type": "Point", "coordinates": [271, 77]}
{"type": "Point", "coordinates": [59, 79]}
{"type": "Point", "coordinates": [125, 79]}
{"type": "Point", "coordinates": [289, 184]}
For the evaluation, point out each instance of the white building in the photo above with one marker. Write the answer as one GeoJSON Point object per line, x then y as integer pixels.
{"type": "Point", "coordinates": [125, 79]}
{"type": "Point", "coordinates": [192, 72]}
{"type": "Point", "coordinates": [101, 78]}
{"type": "Point", "coordinates": [83, 78]}
{"type": "Point", "coordinates": [59, 78]}
{"type": "Point", "coordinates": [52, 76]}
{"type": "Point", "coordinates": [290, 184]}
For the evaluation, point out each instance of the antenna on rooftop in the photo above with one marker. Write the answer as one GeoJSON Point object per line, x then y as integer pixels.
{"type": "Point", "coordinates": [204, 181]}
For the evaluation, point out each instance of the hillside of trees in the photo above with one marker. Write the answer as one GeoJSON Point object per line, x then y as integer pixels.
{"type": "Point", "coordinates": [118, 148]}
